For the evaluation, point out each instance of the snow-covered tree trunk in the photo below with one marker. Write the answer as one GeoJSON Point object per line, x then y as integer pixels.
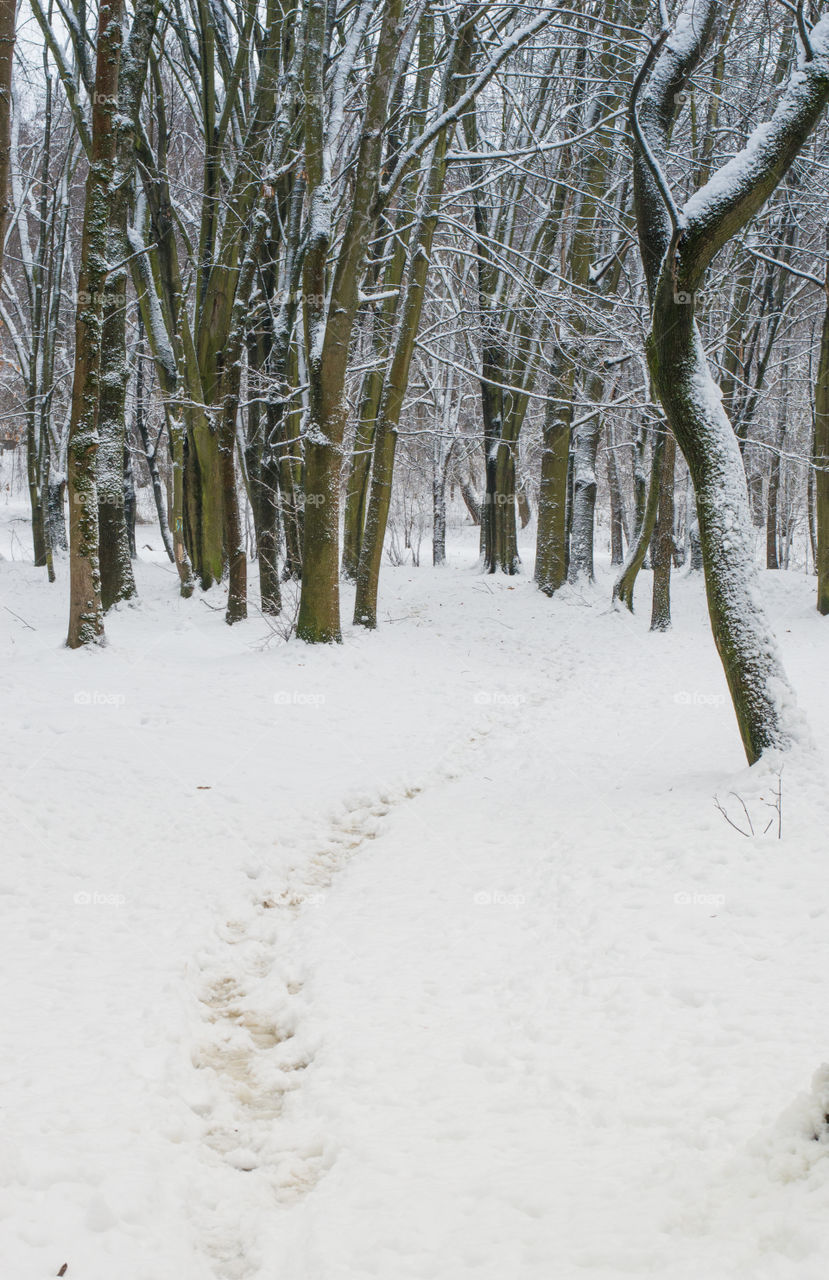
{"type": "Point", "coordinates": [397, 378]}
{"type": "Point", "coordinates": [329, 316]}
{"type": "Point", "coordinates": [86, 619]}
{"type": "Point", "coordinates": [8, 9]}
{"type": "Point", "coordinates": [551, 537]}
{"type": "Point", "coordinates": [677, 246]}
{"type": "Point", "coordinates": [618, 526]}
{"type": "Point", "coordinates": [625, 583]}
{"type": "Point", "coordinates": [167, 371]}
{"type": "Point", "coordinates": [821, 459]}
{"type": "Point", "coordinates": [117, 578]}
{"type": "Point", "coordinates": [663, 541]}
{"type": "Point", "coordinates": [439, 516]}
{"type": "Point", "coordinates": [585, 487]}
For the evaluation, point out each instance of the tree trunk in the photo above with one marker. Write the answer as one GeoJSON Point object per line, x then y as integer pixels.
{"type": "Point", "coordinates": [624, 585]}
{"type": "Point", "coordinates": [772, 520]}
{"type": "Point", "coordinates": [470, 501]}
{"type": "Point", "coordinates": [8, 9]}
{"type": "Point", "coordinates": [749, 655]}
{"type": "Point", "coordinates": [525, 513]}
{"type": "Point", "coordinates": [439, 509]}
{"type": "Point", "coordinates": [117, 578]}
{"type": "Point", "coordinates": [359, 472]}
{"type": "Point", "coordinates": [585, 486]}
{"type": "Point", "coordinates": [772, 561]}
{"type": "Point", "coordinates": [328, 330]}
{"type": "Point", "coordinates": [58, 540]}
{"type": "Point", "coordinates": [617, 504]}
{"type": "Point", "coordinates": [676, 250]}
{"type": "Point", "coordinates": [86, 619]}
{"type": "Point", "coordinates": [551, 535]}
{"type": "Point", "coordinates": [34, 469]}
{"type": "Point", "coordinates": [396, 382]}
{"type": "Point", "coordinates": [821, 460]}
{"type": "Point", "coordinates": [663, 550]}
{"type": "Point", "coordinates": [640, 478]}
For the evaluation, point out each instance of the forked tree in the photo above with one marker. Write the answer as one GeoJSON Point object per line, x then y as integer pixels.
{"type": "Point", "coordinates": [677, 246]}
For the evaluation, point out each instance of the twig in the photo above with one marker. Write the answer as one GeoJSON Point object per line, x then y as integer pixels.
{"type": "Point", "coordinates": [19, 619]}
{"type": "Point", "coordinates": [728, 820]}
{"type": "Point", "coordinates": [777, 806]}
{"type": "Point", "coordinates": [745, 810]}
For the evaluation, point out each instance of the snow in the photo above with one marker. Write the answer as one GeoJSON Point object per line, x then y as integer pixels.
{"type": "Point", "coordinates": [427, 955]}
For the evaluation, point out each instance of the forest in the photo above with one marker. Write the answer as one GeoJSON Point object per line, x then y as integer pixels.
{"type": "Point", "coordinates": [414, 429]}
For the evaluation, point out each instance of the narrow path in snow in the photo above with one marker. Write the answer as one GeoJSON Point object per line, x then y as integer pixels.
{"type": "Point", "coordinates": [254, 1041]}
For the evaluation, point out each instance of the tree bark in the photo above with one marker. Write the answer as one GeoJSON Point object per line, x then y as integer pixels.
{"type": "Point", "coordinates": [8, 9]}
{"type": "Point", "coordinates": [617, 507]}
{"type": "Point", "coordinates": [551, 535]}
{"type": "Point", "coordinates": [821, 459]}
{"type": "Point", "coordinates": [663, 550]}
{"type": "Point", "coordinates": [624, 586]}
{"type": "Point", "coordinates": [86, 619]}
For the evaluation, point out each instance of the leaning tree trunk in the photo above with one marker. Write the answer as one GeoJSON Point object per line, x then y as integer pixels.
{"type": "Point", "coordinates": [328, 330]}
{"type": "Point", "coordinates": [394, 388]}
{"type": "Point", "coordinates": [625, 583]}
{"type": "Point", "coordinates": [746, 647]}
{"type": "Point", "coordinates": [86, 619]}
{"type": "Point", "coordinates": [677, 247]}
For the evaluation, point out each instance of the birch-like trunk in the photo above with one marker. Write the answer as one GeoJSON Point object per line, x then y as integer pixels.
{"type": "Point", "coordinates": [821, 460]}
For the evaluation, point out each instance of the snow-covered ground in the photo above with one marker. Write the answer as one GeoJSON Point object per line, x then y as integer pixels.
{"type": "Point", "coordinates": [426, 956]}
